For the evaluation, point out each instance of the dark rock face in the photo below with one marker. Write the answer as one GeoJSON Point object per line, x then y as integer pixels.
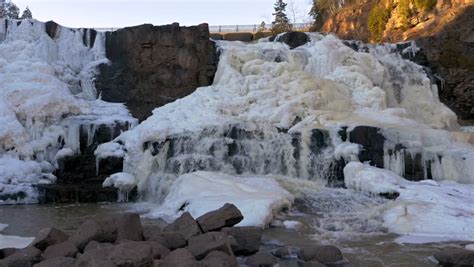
{"type": "Point", "coordinates": [22, 257]}
{"type": "Point", "coordinates": [262, 259]}
{"type": "Point", "coordinates": [51, 28]}
{"type": "Point", "coordinates": [227, 216]}
{"type": "Point", "coordinates": [455, 257]}
{"type": "Point", "coordinates": [294, 39]}
{"type": "Point", "coordinates": [372, 142]}
{"type": "Point", "coordinates": [171, 240]}
{"type": "Point", "coordinates": [218, 258]}
{"type": "Point", "coordinates": [48, 237]}
{"type": "Point", "coordinates": [154, 65]}
{"type": "Point", "coordinates": [200, 246]}
{"type": "Point", "coordinates": [57, 262]}
{"type": "Point", "coordinates": [180, 257]}
{"type": "Point", "coordinates": [65, 249]}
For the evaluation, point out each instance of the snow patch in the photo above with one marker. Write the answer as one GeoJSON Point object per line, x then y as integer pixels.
{"type": "Point", "coordinates": [124, 182]}
{"type": "Point", "coordinates": [258, 198]}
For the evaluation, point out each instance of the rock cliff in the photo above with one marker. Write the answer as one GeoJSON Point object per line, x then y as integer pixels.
{"type": "Point", "coordinates": [444, 32]}
{"type": "Point", "coordinates": [153, 65]}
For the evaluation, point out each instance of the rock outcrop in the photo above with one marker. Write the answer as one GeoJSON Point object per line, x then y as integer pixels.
{"type": "Point", "coordinates": [445, 33]}
{"type": "Point", "coordinates": [151, 66]}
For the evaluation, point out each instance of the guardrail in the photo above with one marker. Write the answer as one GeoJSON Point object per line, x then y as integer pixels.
{"type": "Point", "coordinates": [225, 28]}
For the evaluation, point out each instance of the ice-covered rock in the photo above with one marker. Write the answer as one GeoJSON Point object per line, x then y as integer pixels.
{"type": "Point", "coordinates": [258, 198]}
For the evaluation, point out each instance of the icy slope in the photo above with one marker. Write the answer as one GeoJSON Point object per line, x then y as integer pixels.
{"type": "Point", "coordinates": [46, 92]}
{"type": "Point", "coordinates": [425, 210]}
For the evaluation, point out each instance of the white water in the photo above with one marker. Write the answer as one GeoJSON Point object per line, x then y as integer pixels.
{"type": "Point", "coordinates": [47, 93]}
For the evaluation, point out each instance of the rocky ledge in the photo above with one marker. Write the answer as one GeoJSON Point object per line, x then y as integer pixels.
{"type": "Point", "coordinates": [122, 240]}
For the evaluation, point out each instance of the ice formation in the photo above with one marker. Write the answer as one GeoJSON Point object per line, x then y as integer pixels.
{"type": "Point", "coordinates": [425, 210]}
{"type": "Point", "coordinates": [7, 241]}
{"type": "Point", "coordinates": [46, 93]}
{"type": "Point", "coordinates": [124, 182]}
{"type": "Point", "coordinates": [258, 198]}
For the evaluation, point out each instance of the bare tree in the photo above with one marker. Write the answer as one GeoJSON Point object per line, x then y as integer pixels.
{"type": "Point", "coordinates": [293, 11]}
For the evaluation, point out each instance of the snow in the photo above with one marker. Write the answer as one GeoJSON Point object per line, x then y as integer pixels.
{"type": "Point", "coordinates": [124, 182]}
{"type": "Point", "coordinates": [425, 211]}
{"type": "Point", "coordinates": [292, 225]}
{"type": "Point", "coordinates": [258, 198]}
{"type": "Point", "coordinates": [47, 93]}
{"type": "Point", "coordinates": [13, 241]}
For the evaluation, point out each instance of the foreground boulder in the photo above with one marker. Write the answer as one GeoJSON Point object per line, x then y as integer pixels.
{"type": "Point", "coordinates": [48, 237]}
{"type": "Point", "coordinates": [57, 262]}
{"type": "Point", "coordinates": [200, 246]}
{"type": "Point", "coordinates": [171, 240]}
{"type": "Point", "coordinates": [455, 257]}
{"type": "Point", "coordinates": [5, 252]}
{"type": "Point", "coordinates": [65, 249]}
{"type": "Point", "coordinates": [262, 259]}
{"type": "Point", "coordinates": [108, 229]}
{"type": "Point", "coordinates": [248, 239]}
{"type": "Point", "coordinates": [293, 39]}
{"type": "Point", "coordinates": [132, 254]}
{"type": "Point", "coordinates": [227, 216]}
{"type": "Point", "coordinates": [180, 257]}
{"type": "Point", "coordinates": [22, 257]}
{"type": "Point", "coordinates": [184, 225]}
{"type": "Point", "coordinates": [219, 258]}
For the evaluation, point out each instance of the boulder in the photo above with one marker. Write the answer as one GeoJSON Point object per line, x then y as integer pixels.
{"type": "Point", "coordinates": [171, 240]}
{"type": "Point", "coordinates": [95, 258]}
{"type": "Point", "coordinates": [227, 216]}
{"type": "Point", "coordinates": [5, 252]}
{"type": "Point", "coordinates": [131, 254]}
{"type": "Point", "coordinates": [145, 61]}
{"type": "Point", "coordinates": [22, 257]}
{"type": "Point", "coordinates": [51, 28]}
{"type": "Point", "coordinates": [65, 249]}
{"type": "Point", "coordinates": [285, 252]}
{"type": "Point", "coordinates": [455, 257]}
{"type": "Point", "coordinates": [219, 258]}
{"type": "Point", "coordinates": [129, 227]}
{"type": "Point", "coordinates": [294, 39]}
{"type": "Point", "coordinates": [48, 237]}
{"type": "Point", "coordinates": [324, 254]}
{"type": "Point", "coordinates": [313, 264]}
{"type": "Point", "coordinates": [57, 262]}
{"type": "Point", "coordinates": [100, 228]}
{"type": "Point", "coordinates": [184, 225]}
{"type": "Point", "coordinates": [180, 257]}
{"type": "Point", "coordinates": [248, 239]}
{"type": "Point", "coordinates": [201, 245]}
{"type": "Point", "coordinates": [262, 259]}
{"type": "Point", "coordinates": [96, 245]}
{"type": "Point", "coordinates": [158, 250]}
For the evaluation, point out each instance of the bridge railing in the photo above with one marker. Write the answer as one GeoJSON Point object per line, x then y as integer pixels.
{"type": "Point", "coordinates": [226, 28]}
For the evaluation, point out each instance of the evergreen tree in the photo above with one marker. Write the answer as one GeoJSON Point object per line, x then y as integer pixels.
{"type": "Point", "coordinates": [3, 12]}
{"type": "Point", "coordinates": [9, 10]}
{"type": "Point", "coordinates": [281, 23]}
{"type": "Point", "coordinates": [27, 14]}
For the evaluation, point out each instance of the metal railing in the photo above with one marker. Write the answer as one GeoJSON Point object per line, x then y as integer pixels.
{"type": "Point", "coordinates": [226, 28]}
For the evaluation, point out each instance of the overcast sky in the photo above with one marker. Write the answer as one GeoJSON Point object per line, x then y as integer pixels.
{"type": "Point", "coordinates": [108, 13]}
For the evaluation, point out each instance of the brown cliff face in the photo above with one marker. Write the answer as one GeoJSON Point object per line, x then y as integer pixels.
{"type": "Point", "coordinates": [154, 65]}
{"type": "Point", "coordinates": [445, 34]}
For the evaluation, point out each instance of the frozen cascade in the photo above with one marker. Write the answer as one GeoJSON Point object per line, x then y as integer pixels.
{"type": "Point", "coordinates": [294, 112]}
{"type": "Point", "coordinates": [48, 99]}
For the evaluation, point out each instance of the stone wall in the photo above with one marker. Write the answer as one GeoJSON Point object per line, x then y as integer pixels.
{"type": "Point", "coordinates": [151, 66]}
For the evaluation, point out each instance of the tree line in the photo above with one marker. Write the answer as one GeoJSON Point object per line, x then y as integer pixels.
{"type": "Point", "coordinates": [9, 10]}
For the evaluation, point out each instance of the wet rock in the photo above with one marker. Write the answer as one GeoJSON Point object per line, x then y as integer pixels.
{"type": "Point", "coordinates": [96, 245]}
{"type": "Point", "coordinates": [65, 249]}
{"type": "Point", "coordinates": [145, 59]}
{"type": "Point", "coordinates": [202, 245]}
{"type": "Point", "coordinates": [48, 237]}
{"type": "Point", "coordinates": [262, 259]}
{"type": "Point", "coordinates": [57, 262]}
{"type": "Point", "coordinates": [455, 257]}
{"type": "Point", "coordinates": [285, 253]}
{"type": "Point", "coordinates": [323, 254]}
{"type": "Point", "coordinates": [372, 142]}
{"type": "Point", "coordinates": [294, 39]}
{"type": "Point", "coordinates": [131, 254]}
{"type": "Point", "coordinates": [22, 257]}
{"type": "Point", "coordinates": [180, 257]}
{"type": "Point", "coordinates": [171, 240]}
{"type": "Point", "coordinates": [129, 227]}
{"type": "Point", "coordinates": [219, 258]}
{"type": "Point", "coordinates": [227, 216]}
{"type": "Point", "coordinates": [51, 28]}
{"type": "Point", "coordinates": [248, 239]}
{"type": "Point", "coordinates": [184, 225]}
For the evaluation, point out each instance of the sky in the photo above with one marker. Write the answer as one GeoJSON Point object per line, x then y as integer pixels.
{"type": "Point", "coordinates": [109, 13]}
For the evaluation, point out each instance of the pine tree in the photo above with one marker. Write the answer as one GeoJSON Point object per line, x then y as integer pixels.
{"type": "Point", "coordinates": [281, 23]}
{"type": "Point", "coordinates": [9, 10]}
{"type": "Point", "coordinates": [3, 12]}
{"type": "Point", "coordinates": [27, 14]}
